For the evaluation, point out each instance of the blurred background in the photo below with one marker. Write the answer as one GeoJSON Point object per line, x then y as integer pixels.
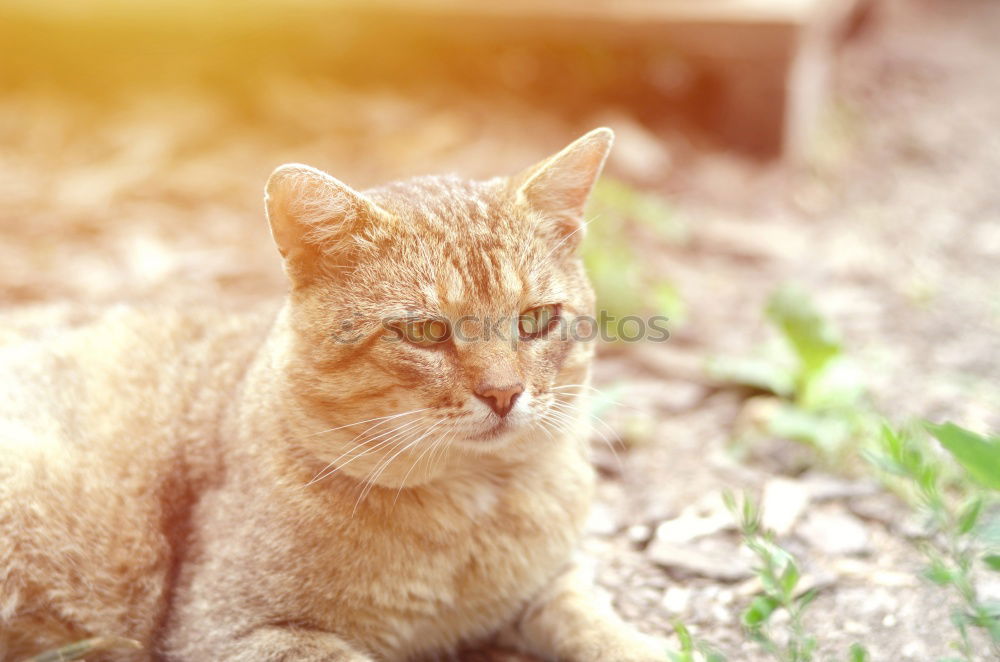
{"type": "Point", "coordinates": [807, 188]}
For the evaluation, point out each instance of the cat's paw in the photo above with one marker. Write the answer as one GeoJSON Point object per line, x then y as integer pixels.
{"type": "Point", "coordinates": [633, 647]}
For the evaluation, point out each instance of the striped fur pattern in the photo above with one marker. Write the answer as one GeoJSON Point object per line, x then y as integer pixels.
{"type": "Point", "coordinates": [308, 485]}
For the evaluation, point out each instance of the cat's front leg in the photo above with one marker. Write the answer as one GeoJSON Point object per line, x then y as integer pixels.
{"type": "Point", "coordinates": [567, 622]}
{"type": "Point", "coordinates": [292, 644]}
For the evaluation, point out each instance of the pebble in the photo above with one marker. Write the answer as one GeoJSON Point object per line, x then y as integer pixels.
{"type": "Point", "coordinates": [782, 505]}
{"type": "Point", "coordinates": [603, 520]}
{"type": "Point", "coordinates": [714, 564]}
{"type": "Point", "coordinates": [835, 533]}
{"type": "Point", "coordinates": [676, 599]}
{"type": "Point", "coordinates": [823, 487]}
{"type": "Point", "coordinates": [639, 534]}
{"type": "Point", "coordinates": [889, 510]}
{"type": "Point", "coordinates": [689, 527]}
{"type": "Point", "coordinates": [854, 627]}
{"type": "Point", "coordinates": [721, 614]}
{"type": "Point", "coordinates": [872, 574]}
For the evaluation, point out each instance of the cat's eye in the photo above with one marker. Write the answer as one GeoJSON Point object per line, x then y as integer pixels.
{"type": "Point", "coordinates": [536, 322]}
{"type": "Point", "coordinates": [424, 333]}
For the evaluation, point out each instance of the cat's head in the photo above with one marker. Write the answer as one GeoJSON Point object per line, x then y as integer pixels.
{"type": "Point", "coordinates": [436, 310]}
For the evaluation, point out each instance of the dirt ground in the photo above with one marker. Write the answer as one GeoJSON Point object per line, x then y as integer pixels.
{"type": "Point", "coordinates": [893, 224]}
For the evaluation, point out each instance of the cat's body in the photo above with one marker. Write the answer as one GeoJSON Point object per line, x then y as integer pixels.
{"type": "Point", "coordinates": [303, 484]}
{"type": "Point", "coordinates": [102, 448]}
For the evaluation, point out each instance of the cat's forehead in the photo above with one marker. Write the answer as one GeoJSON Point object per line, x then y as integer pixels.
{"type": "Point", "coordinates": [462, 246]}
{"type": "Point", "coordinates": [451, 207]}
{"type": "Point", "coordinates": [474, 274]}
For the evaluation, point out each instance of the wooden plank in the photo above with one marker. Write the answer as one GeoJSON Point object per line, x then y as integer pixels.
{"type": "Point", "coordinates": [766, 60]}
{"type": "Point", "coordinates": [769, 59]}
{"type": "Point", "coordinates": [622, 11]}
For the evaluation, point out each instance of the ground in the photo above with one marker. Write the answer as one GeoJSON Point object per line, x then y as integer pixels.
{"type": "Point", "coordinates": [893, 223]}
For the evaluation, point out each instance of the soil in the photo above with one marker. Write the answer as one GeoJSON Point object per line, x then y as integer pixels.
{"type": "Point", "coordinates": [893, 223]}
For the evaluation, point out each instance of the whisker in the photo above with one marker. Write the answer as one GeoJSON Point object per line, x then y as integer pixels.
{"type": "Point", "coordinates": [439, 457]}
{"type": "Point", "coordinates": [569, 420]}
{"type": "Point", "coordinates": [387, 436]}
{"type": "Point", "coordinates": [368, 481]}
{"type": "Point", "coordinates": [598, 391]}
{"type": "Point", "coordinates": [541, 424]}
{"type": "Point", "coordinates": [385, 465]}
{"type": "Point", "coordinates": [573, 409]}
{"type": "Point", "coordinates": [377, 418]}
{"type": "Point", "coordinates": [390, 433]}
{"type": "Point", "coordinates": [430, 447]}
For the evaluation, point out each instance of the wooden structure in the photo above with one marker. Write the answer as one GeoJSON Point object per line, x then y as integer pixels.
{"type": "Point", "coordinates": [769, 58]}
{"type": "Point", "coordinates": [766, 60]}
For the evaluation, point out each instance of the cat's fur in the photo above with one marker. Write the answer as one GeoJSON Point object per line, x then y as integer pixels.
{"type": "Point", "coordinates": [221, 487]}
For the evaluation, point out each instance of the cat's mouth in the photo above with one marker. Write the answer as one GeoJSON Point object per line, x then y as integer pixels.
{"type": "Point", "coordinates": [495, 432]}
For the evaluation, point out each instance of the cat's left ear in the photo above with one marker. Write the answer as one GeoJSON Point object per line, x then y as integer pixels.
{"type": "Point", "coordinates": [559, 186]}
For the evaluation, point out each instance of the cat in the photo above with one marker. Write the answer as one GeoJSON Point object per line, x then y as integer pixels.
{"type": "Point", "coordinates": [367, 473]}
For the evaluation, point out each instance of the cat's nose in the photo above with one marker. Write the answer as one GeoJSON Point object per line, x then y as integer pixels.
{"type": "Point", "coordinates": [501, 399]}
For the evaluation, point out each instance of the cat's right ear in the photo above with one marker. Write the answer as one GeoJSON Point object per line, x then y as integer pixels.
{"type": "Point", "coordinates": [314, 218]}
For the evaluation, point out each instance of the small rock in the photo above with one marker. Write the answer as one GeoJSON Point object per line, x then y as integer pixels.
{"type": "Point", "coordinates": [639, 534]}
{"type": "Point", "coordinates": [645, 596]}
{"type": "Point", "coordinates": [882, 508]}
{"type": "Point", "coordinates": [689, 527]}
{"type": "Point", "coordinates": [887, 509]}
{"type": "Point", "coordinates": [823, 487]}
{"type": "Point", "coordinates": [854, 627]}
{"type": "Point", "coordinates": [676, 599]}
{"type": "Point", "coordinates": [913, 526]}
{"type": "Point", "coordinates": [988, 588]}
{"type": "Point", "coordinates": [782, 505]}
{"type": "Point", "coordinates": [835, 533]}
{"type": "Point", "coordinates": [720, 614]}
{"type": "Point", "coordinates": [714, 564]}
{"type": "Point", "coordinates": [712, 504]}
{"type": "Point", "coordinates": [872, 574]}
{"type": "Point", "coordinates": [603, 520]}
{"type": "Point", "coordinates": [878, 601]}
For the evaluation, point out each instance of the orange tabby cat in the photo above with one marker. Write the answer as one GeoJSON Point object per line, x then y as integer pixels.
{"type": "Point", "coordinates": [378, 471]}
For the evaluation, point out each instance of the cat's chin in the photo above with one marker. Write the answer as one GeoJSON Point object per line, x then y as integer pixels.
{"type": "Point", "coordinates": [503, 434]}
{"type": "Point", "coordinates": [502, 430]}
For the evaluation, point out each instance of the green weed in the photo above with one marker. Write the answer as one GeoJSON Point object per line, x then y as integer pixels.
{"type": "Point", "coordinates": [961, 504]}
{"type": "Point", "coordinates": [779, 575]}
{"type": "Point", "coordinates": [780, 580]}
{"type": "Point", "coordinates": [692, 649]}
{"type": "Point", "coordinates": [820, 392]}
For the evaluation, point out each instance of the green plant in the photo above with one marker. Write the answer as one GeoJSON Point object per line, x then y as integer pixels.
{"type": "Point", "coordinates": [692, 649]}
{"type": "Point", "coordinates": [779, 577]}
{"type": "Point", "coordinates": [821, 398]}
{"type": "Point", "coordinates": [962, 510]}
